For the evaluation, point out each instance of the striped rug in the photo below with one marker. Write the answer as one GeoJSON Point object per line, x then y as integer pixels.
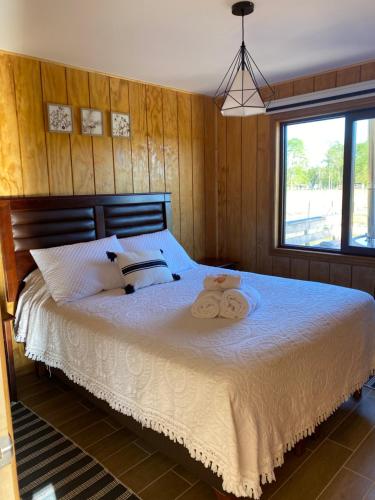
{"type": "Point", "coordinates": [370, 383]}
{"type": "Point", "coordinates": [50, 466]}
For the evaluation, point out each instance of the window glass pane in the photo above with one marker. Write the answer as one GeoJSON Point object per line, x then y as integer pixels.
{"type": "Point", "coordinates": [362, 233]}
{"type": "Point", "coordinates": [314, 160]}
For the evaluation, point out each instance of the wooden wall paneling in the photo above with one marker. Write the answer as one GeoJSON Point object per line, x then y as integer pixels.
{"type": "Point", "coordinates": [234, 188]}
{"type": "Point", "coordinates": [2, 287]}
{"type": "Point", "coordinates": [137, 101]}
{"type": "Point", "coordinates": [303, 85]}
{"type": "Point", "coordinates": [154, 106]}
{"type": "Point", "coordinates": [348, 76]}
{"type": "Point", "coordinates": [186, 171]}
{"type": "Point", "coordinates": [283, 90]}
{"type": "Point", "coordinates": [281, 266]}
{"type": "Point", "coordinates": [102, 146]}
{"type": "Point", "coordinates": [122, 154]}
{"type": "Point", "coordinates": [31, 128]}
{"type": "Point", "coordinates": [172, 174]}
{"type": "Point", "coordinates": [299, 269]}
{"type": "Point", "coordinates": [319, 271]}
{"type": "Point", "coordinates": [264, 218]}
{"type": "Point", "coordinates": [264, 204]}
{"type": "Point", "coordinates": [341, 274]}
{"type": "Point", "coordinates": [58, 145]}
{"type": "Point", "coordinates": [210, 177]}
{"type": "Point", "coordinates": [249, 194]}
{"type": "Point", "coordinates": [222, 183]}
{"type": "Point", "coordinates": [368, 71]}
{"type": "Point", "coordinates": [197, 121]}
{"type": "Point", "coordinates": [11, 182]}
{"type": "Point", "coordinates": [325, 81]}
{"type": "Point", "coordinates": [81, 145]}
{"type": "Point", "coordinates": [363, 278]}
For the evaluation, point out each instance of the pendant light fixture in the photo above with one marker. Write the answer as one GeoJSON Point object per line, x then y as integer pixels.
{"type": "Point", "coordinates": [244, 91]}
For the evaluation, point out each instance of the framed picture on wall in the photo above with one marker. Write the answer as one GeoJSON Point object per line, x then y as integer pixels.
{"type": "Point", "coordinates": [120, 124]}
{"type": "Point", "coordinates": [91, 121]}
{"type": "Point", "coordinates": [59, 118]}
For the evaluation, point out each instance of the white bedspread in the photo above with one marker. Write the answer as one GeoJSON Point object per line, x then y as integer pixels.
{"type": "Point", "coordinates": [237, 394]}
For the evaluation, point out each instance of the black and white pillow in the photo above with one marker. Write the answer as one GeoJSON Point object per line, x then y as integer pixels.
{"type": "Point", "coordinates": [141, 269]}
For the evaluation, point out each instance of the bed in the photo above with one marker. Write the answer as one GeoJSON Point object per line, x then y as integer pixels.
{"type": "Point", "coordinates": [234, 395]}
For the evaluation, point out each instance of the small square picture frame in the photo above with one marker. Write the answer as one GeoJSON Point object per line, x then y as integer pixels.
{"type": "Point", "coordinates": [91, 122]}
{"type": "Point", "coordinates": [59, 118]}
{"type": "Point", "coordinates": [120, 124]}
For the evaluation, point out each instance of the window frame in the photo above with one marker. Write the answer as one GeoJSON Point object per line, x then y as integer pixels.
{"type": "Point", "coordinates": [346, 249]}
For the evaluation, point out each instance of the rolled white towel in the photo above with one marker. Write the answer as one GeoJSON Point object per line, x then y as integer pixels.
{"type": "Point", "coordinates": [222, 281]}
{"type": "Point", "coordinates": [207, 304]}
{"type": "Point", "coordinates": [237, 304]}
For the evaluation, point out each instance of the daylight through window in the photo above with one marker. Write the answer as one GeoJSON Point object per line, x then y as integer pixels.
{"type": "Point", "coordinates": [328, 183]}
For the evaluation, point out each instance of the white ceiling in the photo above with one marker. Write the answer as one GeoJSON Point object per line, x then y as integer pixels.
{"type": "Point", "coordinates": [190, 44]}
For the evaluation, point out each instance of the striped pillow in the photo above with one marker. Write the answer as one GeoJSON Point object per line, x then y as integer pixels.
{"type": "Point", "coordinates": [141, 269]}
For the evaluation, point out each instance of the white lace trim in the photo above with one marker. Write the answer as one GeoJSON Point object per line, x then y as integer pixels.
{"type": "Point", "coordinates": [244, 488]}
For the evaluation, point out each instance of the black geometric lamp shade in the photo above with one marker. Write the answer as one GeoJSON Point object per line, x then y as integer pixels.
{"type": "Point", "coordinates": [244, 91]}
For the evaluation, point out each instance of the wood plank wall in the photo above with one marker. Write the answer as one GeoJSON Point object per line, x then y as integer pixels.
{"type": "Point", "coordinates": [245, 204]}
{"type": "Point", "coordinates": [166, 151]}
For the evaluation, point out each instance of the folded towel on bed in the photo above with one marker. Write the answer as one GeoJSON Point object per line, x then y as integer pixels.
{"type": "Point", "coordinates": [237, 304]}
{"type": "Point", "coordinates": [207, 304]}
{"type": "Point", "coordinates": [222, 281]}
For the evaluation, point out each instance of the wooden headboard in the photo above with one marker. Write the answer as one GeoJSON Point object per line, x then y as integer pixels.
{"type": "Point", "coordinates": [42, 222]}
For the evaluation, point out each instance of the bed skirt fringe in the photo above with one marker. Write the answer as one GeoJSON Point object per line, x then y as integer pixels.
{"type": "Point", "coordinates": [244, 487]}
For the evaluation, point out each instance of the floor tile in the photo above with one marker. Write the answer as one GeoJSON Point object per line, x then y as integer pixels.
{"type": "Point", "coordinates": [363, 459]}
{"type": "Point", "coordinates": [111, 444]}
{"type": "Point", "coordinates": [355, 427]}
{"type": "Point", "coordinates": [146, 446]}
{"type": "Point", "coordinates": [147, 471]}
{"type": "Point", "coordinates": [31, 390]}
{"type": "Point", "coordinates": [91, 434]}
{"type": "Point", "coordinates": [347, 485]}
{"type": "Point", "coordinates": [41, 397]}
{"type": "Point", "coordinates": [292, 461]}
{"type": "Point", "coordinates": [56, 403]}
{"type": "Point", "coordinates": [27, 380]}
{"type": "Point", "coordinates": [88, 404]}
{"type": "Point", "coordinates": [64, 414]}
{"type": "Point", "coordinates": [200, 491]}
{"type": "Point", "coordinates": [122, 460]}
{"type": "Point", "coordinates": [78, 424]}
{"type": "Point", "coordinates": [167, 487]}
{"type": "Point", "coordinates": [113, 422]}
{"type": "Point", "coordinates": [187, 475]}
{"type": "Point", "coordinates": [64, 386]}
{"type": "Point", "coordinates": [314, 474]}
{"type": "Point", "coordinates": [327, 427]}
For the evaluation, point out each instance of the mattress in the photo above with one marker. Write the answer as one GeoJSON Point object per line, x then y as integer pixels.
{"type": "Point", "coordinates": [236, 394]}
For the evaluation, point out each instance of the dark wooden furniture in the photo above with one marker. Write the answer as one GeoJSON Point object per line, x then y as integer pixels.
{"type": "Point", "coordinates": [7, 325]}
{"type": "Point", "coordinates": [42, 222]}
{"type": "Point", "coordinates": [222, 262]}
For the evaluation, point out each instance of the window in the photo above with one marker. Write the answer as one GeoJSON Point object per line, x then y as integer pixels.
{"type": "Point", "coordinates": [328, 183]}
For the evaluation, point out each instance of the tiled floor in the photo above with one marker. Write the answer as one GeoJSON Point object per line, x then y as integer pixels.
{"type": "Point", "coordinates": [338, 464]}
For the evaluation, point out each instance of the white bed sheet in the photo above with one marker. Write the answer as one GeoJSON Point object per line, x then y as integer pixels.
{"type": "Point", "coordinates": [236, 394]}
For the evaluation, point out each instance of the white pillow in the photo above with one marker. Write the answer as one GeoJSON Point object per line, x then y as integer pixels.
{"type": "Point", "coordinates": [72, 272]}
{"type": "Point", "coordinates": [141, 269]}
{"type": "Point", "coordinates": [175, 255]}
